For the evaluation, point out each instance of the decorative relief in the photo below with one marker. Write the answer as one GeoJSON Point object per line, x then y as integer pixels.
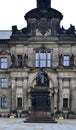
{"type": "Point", "coordinates": [4, 52]}
{"type": "Point", "coordinates": [42, 48]}
{"type": "Point", "coordinates": [43, 26]}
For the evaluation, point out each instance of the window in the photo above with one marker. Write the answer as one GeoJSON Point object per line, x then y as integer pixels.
{"type": "Point", "coordinates": [4, 102]}
{"type": "Point", "coordinates": [48, 59]}
{"type": "Point", "coordinates": [43, 59]}
{"type": "Point", "coordinates": [3, 82]}
{"type": "Point", "coordinates": [65, 102]}
{"type": "Point", "coordinates": [19, 60]}
{"type": "Point", "coordinates": [19, 102]}
{"type": "Point", "coordinates": [66, 61]}
{"type": "Point", "coordinates": [4, 63]}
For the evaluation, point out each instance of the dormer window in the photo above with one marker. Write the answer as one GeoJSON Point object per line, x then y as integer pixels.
{"type": "Point", "coordinates": [43, 59]}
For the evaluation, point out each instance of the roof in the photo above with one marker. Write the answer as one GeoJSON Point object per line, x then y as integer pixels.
{"type": "Point", "coordinates": [48, 13]}
{"type": "Point", "coordinates": [5, 34]}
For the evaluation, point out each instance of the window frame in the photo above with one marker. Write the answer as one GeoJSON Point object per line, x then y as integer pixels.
{"type": "Point", "coordinates": [3, 64]}
{"type": "Point", "coordinates": [66, 62]}
{"type": "Point", "coordinates": [65, 103]}
{"type": "Point", "coordinates": [4, 104]}
{"type": "Point", "coordinates": [19, 103]}
{"type": "Point", "coordinates": [42, 59]}
{"type": "Point", "coordinates": [4, 83]}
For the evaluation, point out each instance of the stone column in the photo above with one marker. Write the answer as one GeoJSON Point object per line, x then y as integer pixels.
{"type": "Point", "coordinates": [72, 94]}
{"type": "Point", "coordinates": [55, 100]}
{"type": "Point", "coordinates": [13, 95]}
{"type": "Point", "coordinates": [72, 83]}
{"type": "Point", "coordinates": [60, 95]}
{"type": "Point", "coordinates": [25, 100]}
{"type": "Point", "coordinates": [73, 102]}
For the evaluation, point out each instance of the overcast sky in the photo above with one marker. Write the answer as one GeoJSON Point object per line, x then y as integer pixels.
{"type": "Point", "coordinates": [12, 12]}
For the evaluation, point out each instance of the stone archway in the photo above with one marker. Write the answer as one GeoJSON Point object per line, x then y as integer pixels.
{"type": "Point", "coordinates": [53, 89]}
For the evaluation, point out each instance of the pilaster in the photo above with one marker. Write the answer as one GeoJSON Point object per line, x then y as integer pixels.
{"type": "Point", "coordinates": [55, 100]}
{"type": "Point", "coordinates": [13, 94]}
{"type": "Point", "coordinates": [60, 95]}
{"type": "Point", "coordinates": [72, 95]}
{"type": "Point", "coordinates": [25, 100]}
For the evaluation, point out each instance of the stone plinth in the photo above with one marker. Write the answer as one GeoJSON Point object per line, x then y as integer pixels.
{"type": "Point", "coordinates": [40, 110]}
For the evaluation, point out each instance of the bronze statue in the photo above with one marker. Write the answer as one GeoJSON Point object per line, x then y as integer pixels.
{"type": "Point", "coordinates": [42, 78]}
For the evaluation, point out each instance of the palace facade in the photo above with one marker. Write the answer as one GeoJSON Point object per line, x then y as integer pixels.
{"type": "Point", "coordinates": [42, 44]}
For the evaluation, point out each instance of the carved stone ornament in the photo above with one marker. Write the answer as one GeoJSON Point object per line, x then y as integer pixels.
{"type": "Point", "coordinates": [42, 48]}
{"type": "Point", "coordinates": [43, 26]}
{"type": "Point", "coordinates": [13, 60]}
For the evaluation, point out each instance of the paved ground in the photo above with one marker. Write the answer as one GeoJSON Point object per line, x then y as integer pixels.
{"type": "Point", "coordinates": [17, 124]}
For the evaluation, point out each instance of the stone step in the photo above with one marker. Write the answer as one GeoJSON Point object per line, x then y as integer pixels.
{"type": "Point", "coordinates": [40, 120]}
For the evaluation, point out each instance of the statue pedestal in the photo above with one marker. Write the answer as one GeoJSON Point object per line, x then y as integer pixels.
{"type": "Point", "coordinates": [40, 110]}
{"type": "Point", "coordinates": [40, 100]}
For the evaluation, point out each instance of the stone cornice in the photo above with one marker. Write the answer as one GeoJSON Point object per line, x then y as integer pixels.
{"type": "Point", "coordinates": [18, 70]}
{"type": "Point", "coordinates": [66, 69]}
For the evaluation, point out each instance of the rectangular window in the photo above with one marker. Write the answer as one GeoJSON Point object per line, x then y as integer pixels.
{"type": "Point", "coordinates": [3, 82]}
{"type": "Point", "coordinates": [43, 59]}
{"type": "Point", "coordinates": [4, 102]}
{"type": "Point", "coordinates": [19, 102]}
{"type": "Point", "coordinates": [48, 59]}
{"type": "Point", "coordinates": [65, 102]}
{"type": "Point", "coordinates": [19, 60]}
{"type": "Point", "coordinates": [66, 61]}
{"type": "Point", "coordinates": [37, 59]}
{"type": "Point", "coordinates": [4, 63]}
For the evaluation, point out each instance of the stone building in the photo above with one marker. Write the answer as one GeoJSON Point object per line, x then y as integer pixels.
{"type": "Point", "coordinates": [42, 44]}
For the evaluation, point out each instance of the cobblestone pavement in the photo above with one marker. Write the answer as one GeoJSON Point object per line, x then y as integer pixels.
{"type": "Point", "coordinates": [17, 124]}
